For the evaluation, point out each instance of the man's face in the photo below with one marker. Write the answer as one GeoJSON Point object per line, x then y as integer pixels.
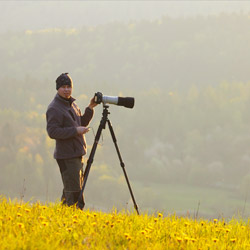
{"type": "Point", "coordinates": [65, 91]}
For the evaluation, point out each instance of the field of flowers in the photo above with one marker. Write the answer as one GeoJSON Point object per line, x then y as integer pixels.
{"type": "Point", "coordinates": [53, 226]}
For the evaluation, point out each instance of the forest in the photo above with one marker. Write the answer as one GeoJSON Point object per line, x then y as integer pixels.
{"type": "Point", "coordinates": [189, 129]}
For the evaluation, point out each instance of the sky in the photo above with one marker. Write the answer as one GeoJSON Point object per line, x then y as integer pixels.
{"type": "Point", "coordinates": [23, 15]}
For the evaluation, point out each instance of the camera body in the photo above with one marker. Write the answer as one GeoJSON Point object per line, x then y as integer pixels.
{"type": "Point", "coordinates": [98, 97]}
{"type": "Point", "coordinates": [127, 102]}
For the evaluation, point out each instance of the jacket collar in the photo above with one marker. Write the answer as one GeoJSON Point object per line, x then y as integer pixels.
{"type": "Point", "coordinates": [65, 102]}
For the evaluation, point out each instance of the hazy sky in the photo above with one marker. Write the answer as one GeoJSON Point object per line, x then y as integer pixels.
{"type": "Point", "coordinates": [22, 15]}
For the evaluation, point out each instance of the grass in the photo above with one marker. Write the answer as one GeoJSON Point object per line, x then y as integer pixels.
{"type": "Point", "coordinates": [183, 199]}
{"type": "Point", "coordinates": [53, 226]}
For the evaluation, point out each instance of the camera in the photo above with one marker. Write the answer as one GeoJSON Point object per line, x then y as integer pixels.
{"type": "Point", "coordinates": [127, 102]}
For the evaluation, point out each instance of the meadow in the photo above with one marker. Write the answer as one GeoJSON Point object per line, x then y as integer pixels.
{"type": "Point", "coordinates": [53, 226]}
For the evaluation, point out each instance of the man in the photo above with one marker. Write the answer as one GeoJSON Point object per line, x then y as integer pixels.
{"type": "Point", "coordinates": [67, 125]}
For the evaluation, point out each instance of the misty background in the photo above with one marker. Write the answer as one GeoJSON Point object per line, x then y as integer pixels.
{"type": "Point", "coordinates": [185, 144]}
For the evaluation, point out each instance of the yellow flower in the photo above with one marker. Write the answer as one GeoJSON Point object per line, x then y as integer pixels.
{"type": "Point", "coordinates": [20, 225]}
{"type": "Point", "coordinates": [69, 229]}
{"type": "Point", "coordinates": [94, 224]}
{"type": "Point", "coordinates": [215, 239]}
{"type": "Point", "coordinates": [75, 236]}
{"type": "Point", "coordinates": [75, 216]}
{"type": "Point", "coordinates": [155, 219]}
{"type": "Point", "coordinates": [27, 210]}
{"type": "Point", "coordinates": [126, 235]}
{"type": "Point", "coordinates": [160, 215]}
{"type": "Point", "coordinates": [215, 221]}
{"type": "Point", "coordinates": [75, 221]}
{"type": "Point", "coordinates": [19, 215]}
{"type": "Point", "coordinates": [44, 223]}
{"type": "Point", "coordinates": [148, 230]}
{"type": "Point", "coordinates": [233, 240]}
{"type": "Point", "coordinates": [179, 239]}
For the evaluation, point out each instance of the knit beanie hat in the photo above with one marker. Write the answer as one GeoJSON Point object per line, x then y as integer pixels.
{"type": "Point", "coordinates": [63, 79]}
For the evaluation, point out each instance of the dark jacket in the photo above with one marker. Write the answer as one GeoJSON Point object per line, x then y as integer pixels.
{"type": "Point", "coordinates": [62, 119]}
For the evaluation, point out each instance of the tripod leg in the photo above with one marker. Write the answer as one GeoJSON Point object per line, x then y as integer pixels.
{"type": "Point", "coordinates": [90, 161]}
{"type": "Point", "coordinates": [122, 165]}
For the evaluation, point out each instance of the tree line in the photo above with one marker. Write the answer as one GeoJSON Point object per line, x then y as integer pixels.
{"type": "Point", "coordinates": [200, 138]}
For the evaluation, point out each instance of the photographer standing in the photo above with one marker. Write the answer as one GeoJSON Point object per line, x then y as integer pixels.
{"type": "Point", "coordinates": [67, 125]}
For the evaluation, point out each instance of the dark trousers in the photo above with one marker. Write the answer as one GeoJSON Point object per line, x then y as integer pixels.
{"type": "Point", "coordinates": [72, 177]}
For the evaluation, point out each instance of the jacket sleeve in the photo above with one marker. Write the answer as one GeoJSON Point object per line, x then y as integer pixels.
{"type": "Point", "coordinates": [55, 128]}
{"type": "Point", "coordinates": [87, 116]}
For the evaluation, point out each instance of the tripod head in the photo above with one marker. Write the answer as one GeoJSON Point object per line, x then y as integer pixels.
{"type": "Point", "coordinates": [105, 114]}
{"type": "Point", "coordinates": [105, 106]}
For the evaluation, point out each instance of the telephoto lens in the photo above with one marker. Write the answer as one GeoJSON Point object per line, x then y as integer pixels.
{"type": "Point", "coordinates": [127, 102]}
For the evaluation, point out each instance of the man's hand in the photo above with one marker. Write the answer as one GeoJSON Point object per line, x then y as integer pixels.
{"type": "Point", "coordinates": [82, 130]}
{"type": "Point", "coordinates": [92, 103]}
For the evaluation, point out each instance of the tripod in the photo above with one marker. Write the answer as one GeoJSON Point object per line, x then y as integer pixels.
{"type": "Point", "coordinates": [102, 126]}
